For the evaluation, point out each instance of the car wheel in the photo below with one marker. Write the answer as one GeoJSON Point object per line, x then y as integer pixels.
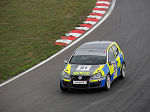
{"type": "Point", "coordinates": [123, 71]}
{"type": "Point", "coordinates": [62, 88]}
{"type": "Point", "coordinates": [107, 83]}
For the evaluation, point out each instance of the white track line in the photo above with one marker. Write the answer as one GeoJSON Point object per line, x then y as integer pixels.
{"type": "Point", "coordinates": [74, 42]}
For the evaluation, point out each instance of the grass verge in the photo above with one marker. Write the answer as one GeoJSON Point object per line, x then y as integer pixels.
{"type": "Point", "coordinates": [28, 29]}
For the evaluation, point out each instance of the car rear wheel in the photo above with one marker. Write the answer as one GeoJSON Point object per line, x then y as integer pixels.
{"type": "Point", "coordinates": [123, 71]}
{"type": "Point", "coordinates": [107, 83]}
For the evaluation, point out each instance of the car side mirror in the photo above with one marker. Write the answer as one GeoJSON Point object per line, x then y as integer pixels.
{"type": "Point", "coordinates": [65, 61]}
{"type": "Point", "coordinates": [112, 62]}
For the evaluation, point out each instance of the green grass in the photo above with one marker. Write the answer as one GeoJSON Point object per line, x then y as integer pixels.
{"type": "Point", "coordinates": [28, 29]}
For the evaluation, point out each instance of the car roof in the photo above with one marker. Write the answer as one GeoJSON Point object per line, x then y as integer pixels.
{"type": "Point", "coordinates": [93, 48]}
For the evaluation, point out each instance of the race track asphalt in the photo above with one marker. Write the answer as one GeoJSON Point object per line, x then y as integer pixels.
{"type": "Point", "coordinates": [38, 90]}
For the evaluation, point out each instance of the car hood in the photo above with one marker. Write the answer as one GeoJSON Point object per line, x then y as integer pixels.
{"type": "Point", "coordinates": [75, 69]}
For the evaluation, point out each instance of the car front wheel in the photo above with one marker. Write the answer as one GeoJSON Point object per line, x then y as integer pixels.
{"type": "Point", "coordinates": [62, 88]}
{"type": "Point", "coordinates": [107, 83]}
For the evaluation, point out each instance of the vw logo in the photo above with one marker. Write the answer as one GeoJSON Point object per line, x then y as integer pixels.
{"type": "Point", "coordinates": [80, 77]}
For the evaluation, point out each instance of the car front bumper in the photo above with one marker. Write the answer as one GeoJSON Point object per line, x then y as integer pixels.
{"type": "Point", "coordinates": [89, 85]}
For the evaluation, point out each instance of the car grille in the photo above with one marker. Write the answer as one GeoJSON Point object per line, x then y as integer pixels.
{"type": "Point", "coordinates": [84, 78]}
{"type": "Point", "coordinates": [80, 85]}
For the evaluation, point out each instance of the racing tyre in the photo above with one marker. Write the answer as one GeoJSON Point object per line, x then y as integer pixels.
{"type": "Point", "coordinates": [62, 88]}
{"type": "Point", "coordinates": [123, 71]}
{"type": "Point", "coordinates": [107, 83]}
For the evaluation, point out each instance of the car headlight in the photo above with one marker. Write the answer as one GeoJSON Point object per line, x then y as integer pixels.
{"type": "Point", "coordinates": [65, 75]}
{"type": "Point", "coordinates": [96, 76]}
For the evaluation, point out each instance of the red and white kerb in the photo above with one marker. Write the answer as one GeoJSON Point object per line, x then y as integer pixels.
{"type": "Point", "coordinates": [97, 13]}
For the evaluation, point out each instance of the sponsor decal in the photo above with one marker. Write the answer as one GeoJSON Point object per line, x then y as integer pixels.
{"type": "Point", "coordinates": [81, 73]}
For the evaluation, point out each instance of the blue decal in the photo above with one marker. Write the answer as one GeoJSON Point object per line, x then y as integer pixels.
{"type": "Point", "coordinates": [118, 71]}
{"type": "Point", "coordinates": [116, 62]}
{"type": "Point", "coordinates": [112, 76]}
{"type": "Point", "coordinates": [102, 83]}
{"type": "Point", "coordinates": [106, 69]}
{"type": "Point", "coordinates": [121, 58]}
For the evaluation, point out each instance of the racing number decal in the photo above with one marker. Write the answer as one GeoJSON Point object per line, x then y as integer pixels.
{"type": "Point", "coordinates": [83, 68]}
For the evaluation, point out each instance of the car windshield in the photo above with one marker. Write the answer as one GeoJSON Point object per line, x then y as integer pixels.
{"type": "Point", "coordinates": [88, 59]}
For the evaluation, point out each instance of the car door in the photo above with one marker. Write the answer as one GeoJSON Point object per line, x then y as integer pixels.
{"type": "Point", "coordinates": [112, 63]}
{"type": "Point", "coordinates": [117, 60]}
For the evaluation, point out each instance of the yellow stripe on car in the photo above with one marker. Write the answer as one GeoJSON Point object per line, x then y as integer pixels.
{"type": "Point", "coordinates": [103, 74]}
{"type": "Point", "coordinates": [68, 69]}
{"type": "Point", "coordinates": [99, 69]}
{"type": "Point", "coordinates": [94, 80]}
{"type": "Point", "coordinates": [118, 62]}
{"type": "Point", "coordinates": [67, 80]}
{"type": "Point", "coordinates": [111, 69]}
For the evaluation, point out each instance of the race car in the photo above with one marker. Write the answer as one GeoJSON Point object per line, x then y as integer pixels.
{"type": "Point", "coordinates": [93, 65]}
